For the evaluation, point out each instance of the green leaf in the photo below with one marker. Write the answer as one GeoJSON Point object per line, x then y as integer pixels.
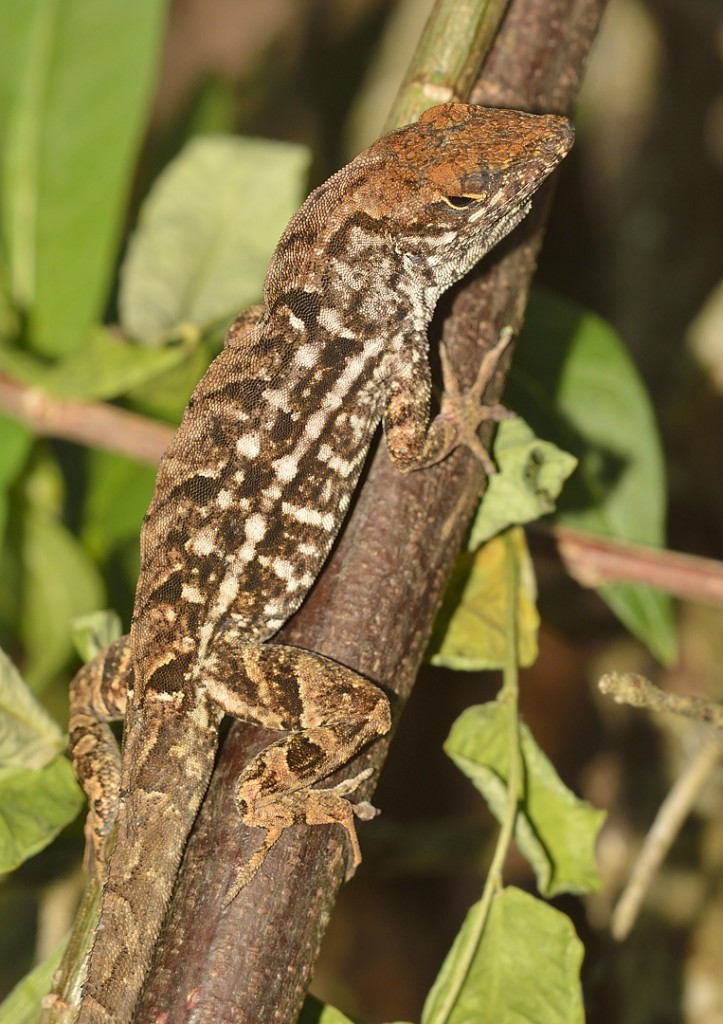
{"type": "Point", "coordinates": [575, 384]}
{"type": "Point", "coordinates": [530, 476]}
{"type": "Point", "coordinates": [93, 633]}
{"type": "Point", "coordinates": [647, 613]}
{"type": "Point", "coordinates": [105, 367]}
{"type": "Point", "coordinates": [118, 494]}
{"type": "Point", "coordinates": [207, 232]}
{"type": "Point", "coordinates": [470, 632]}
{"type": "Point", "coordinates": [526, 969]}
{"type": "Point", "coordinates": [316, 1012]}
{"type": "Point", "coordinates": [29, 737]}
{"type": "Point", "coordinates": [16, 442]}
{"type": "Point", "coordinates": [34, 807]}
{"type": "Point", "coordinates": [74, 119]}
{"type": "Point", "coordinates": [108, 366]}
{"type": "Point", "coordinates": [22, 1006]}
{"type": "Point", "coordinates": [61, 584]}
{"type": "Point", "coordinates": [166, 397]}
{"type": "Point", "coordinates": [213, 110]}
{"type": "Point", "coordinates": [554, 830]}
{"type": "Point", "coordinates": [9, 318]}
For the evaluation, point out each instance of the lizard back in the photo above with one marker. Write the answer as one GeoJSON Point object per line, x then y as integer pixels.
{"type": "Point", "coordinates": [255, 486]}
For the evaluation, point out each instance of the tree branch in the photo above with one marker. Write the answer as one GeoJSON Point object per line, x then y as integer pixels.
{"type": "Point", "coordinates": [95, 424]}
{"type": "Point", "coordinates": [593, 561]}
{"type": "Point", "coordinates": [372, 610]}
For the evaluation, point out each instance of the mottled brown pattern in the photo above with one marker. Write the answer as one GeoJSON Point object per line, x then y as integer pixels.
{"type": "Point", "coordinates": [98, 695]}
{"type": "Point", "coordinates": [252, 492]}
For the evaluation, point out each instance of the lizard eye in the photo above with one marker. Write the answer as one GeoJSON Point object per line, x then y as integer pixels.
{"type": "Point", "coordinates": [463, 202]}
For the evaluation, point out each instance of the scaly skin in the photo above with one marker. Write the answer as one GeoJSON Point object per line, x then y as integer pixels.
{"type": "Point", "coordinates": [250, 496]}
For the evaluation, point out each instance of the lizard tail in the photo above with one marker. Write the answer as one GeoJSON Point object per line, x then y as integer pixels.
{"type": "Point", "coordinates": [153, 828]}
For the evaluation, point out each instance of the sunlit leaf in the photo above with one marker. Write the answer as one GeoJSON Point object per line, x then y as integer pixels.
{"type": "Point", "coordinates": [207, 232]}
{"type": "Point", "coordinates": [525, 969]}
{"type": "Point", "coordinates": [470, 631]}
{"type": "Point", "coordinates": [555, 830]}
{"type": "Point", "coordinates": [530, 475]}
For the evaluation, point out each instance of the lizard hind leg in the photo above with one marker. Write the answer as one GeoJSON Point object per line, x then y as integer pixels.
{"type": "Point", "coordinates": [328, 712]}
{"type": "Point", "coordinates": [98, 695]}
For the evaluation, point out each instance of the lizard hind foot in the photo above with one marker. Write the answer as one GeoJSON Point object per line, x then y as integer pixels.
{"type": "Point", "coordinates": [465, 410]}
{"type": "Point", "coordinates": [329, 806]}
{"type": "Point", "coordinates": [363, 809]}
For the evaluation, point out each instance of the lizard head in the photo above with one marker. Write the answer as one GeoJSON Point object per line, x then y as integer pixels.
{"type": "Point", "coordinates": [461, 178]}
{"type": "Point", "coordinates": [430, 198]}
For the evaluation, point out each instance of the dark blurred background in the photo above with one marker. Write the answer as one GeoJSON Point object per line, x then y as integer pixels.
{"type": "Point", "coordinates": [637, 236]}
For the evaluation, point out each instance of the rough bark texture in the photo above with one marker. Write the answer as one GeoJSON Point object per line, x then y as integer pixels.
{"type": "Point", "coordinates": [371, 610]}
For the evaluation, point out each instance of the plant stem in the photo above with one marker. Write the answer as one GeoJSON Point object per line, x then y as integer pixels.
{"type": "Point", "coordinates": [508, 697]}
{"type": "Point", "coordinates": [450, 53]}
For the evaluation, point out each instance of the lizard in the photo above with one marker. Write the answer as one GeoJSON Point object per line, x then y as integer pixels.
{"type": "Point", "coordinates": [249, 497]}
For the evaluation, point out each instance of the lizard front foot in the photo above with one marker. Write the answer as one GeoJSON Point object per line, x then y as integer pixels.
{"type": "Point", "coordinates": [465, 410]}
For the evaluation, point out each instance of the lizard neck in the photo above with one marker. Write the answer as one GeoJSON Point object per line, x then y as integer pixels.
{"type": "Point", "coordinates": [339, 267]}
{"type": "Point", "coordinates": [352, 281]}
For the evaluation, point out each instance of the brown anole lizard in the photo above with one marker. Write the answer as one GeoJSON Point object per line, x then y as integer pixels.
{"type": "Point", "coordinates": [249, 497]}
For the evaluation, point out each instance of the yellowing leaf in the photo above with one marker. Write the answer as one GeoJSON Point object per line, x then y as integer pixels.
{"type": "Point", "coordinates": [470, 632]}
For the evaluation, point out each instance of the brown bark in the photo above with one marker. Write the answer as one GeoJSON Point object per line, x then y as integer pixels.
{"type": "Point", "coordinates": [372, 610]}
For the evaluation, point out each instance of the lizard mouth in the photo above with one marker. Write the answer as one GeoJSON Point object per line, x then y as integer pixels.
{"type": "Point", "coordinates": [506, 223]}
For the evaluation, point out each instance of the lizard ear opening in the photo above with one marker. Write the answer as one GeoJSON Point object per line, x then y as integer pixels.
{"type": "Point", "coordinates": [463, 202]}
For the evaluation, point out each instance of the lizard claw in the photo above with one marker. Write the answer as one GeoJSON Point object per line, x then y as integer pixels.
{"type": "Point", "coordinates": [363, 809]}
{"type": "Point", "coordinates": [465, 409]}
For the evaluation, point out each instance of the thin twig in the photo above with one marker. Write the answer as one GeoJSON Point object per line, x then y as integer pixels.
{"type": "Point", "coordinates": [673, 811]}
{"type": "Point", "coordinates": [95, 424]}
{"type": "Point", "coordinates": [594, 561]}
{"type": "Point", "coordinates": [637, 691]}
